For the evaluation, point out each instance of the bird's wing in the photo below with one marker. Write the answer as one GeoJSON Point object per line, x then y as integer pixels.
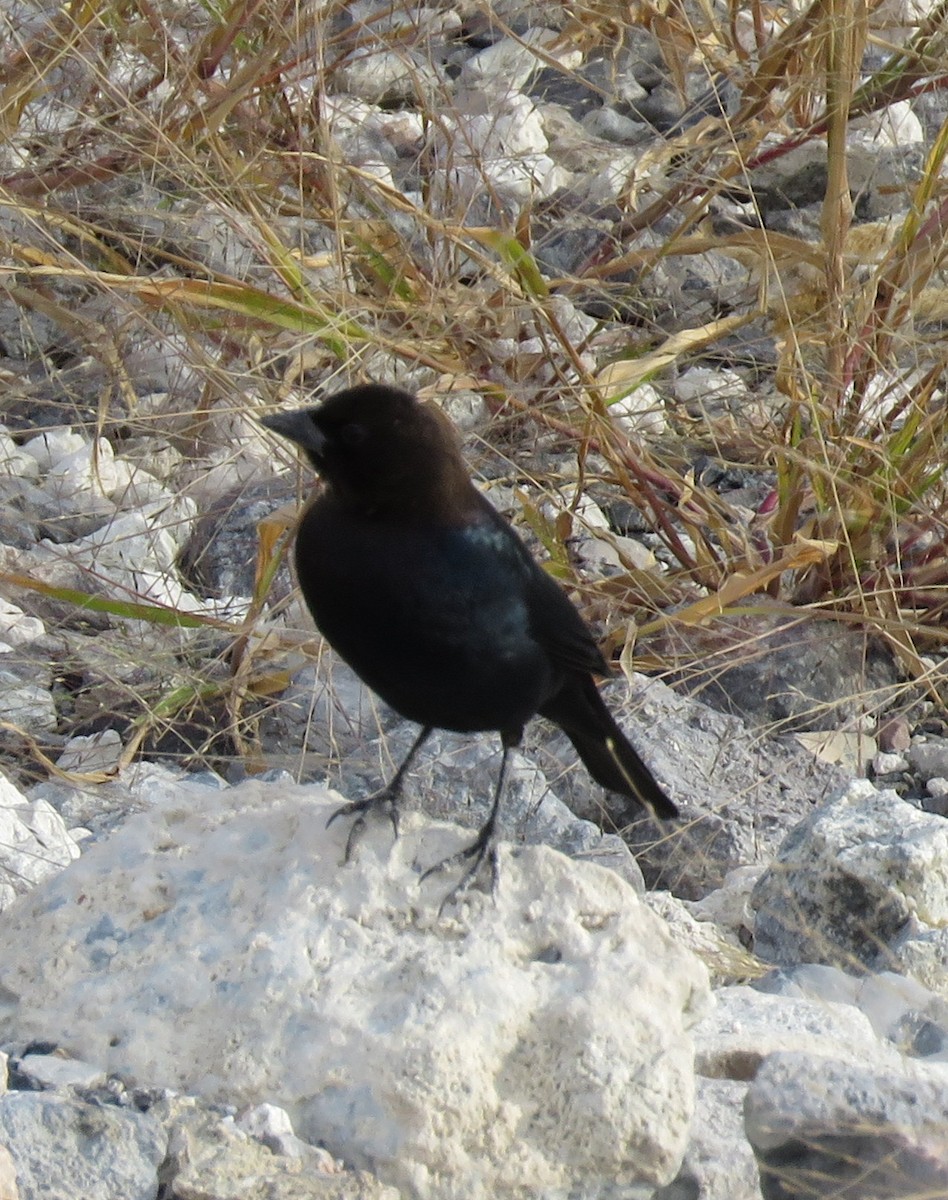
{"type": "Point", "coordinates": [560, 629]}
{"type": "Point", "coordinates": [554, 620]}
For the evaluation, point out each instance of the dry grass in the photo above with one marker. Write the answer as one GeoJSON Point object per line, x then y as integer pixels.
{"type": "Point", "coordinates": [135, 136]}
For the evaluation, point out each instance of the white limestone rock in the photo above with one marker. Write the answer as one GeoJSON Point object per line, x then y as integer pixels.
{"type": "Point", "coordinates": [213, 1158]}
{"type": "Point", "coordinates": [53, 445]}
{"type": "Point", "coordinates": [13, 459]}
{"type": "Point", "coordinates": [500, 145]}
{"type": "Point", "coordinates": [100, 751]}
{"type": "Point", "coordinates": [848, 880]}
{"type": "Point", "coordinates": [86, 478]}
{"type": "Point", "coordinates": [512, 61]}
{"type": "Point", "coordinates": [719, 1164]}
{"type": "Point", "coordinates": [640, 412]}
{"type": "Point", "coordinates": [63, 1149]}
{"type": "Point", "coordinates": [826, 1127]}
{"type": "Point", "coordinates": [134, 556]}
{"type": "Point", "coordinates": [8, 1184]}
{"type": "Point", "coordinates": [746, 1026]}
{"type": "Point", "coordinates": [17, 628]}
{"type": "Point", "coordinates": [49, 1071]}
{"type": "Point", "coordinates": [527, 1044]}
{"type": "Point", "coordinates": [26, 703]}
{"type": "Point", "coordinates": [34, 843]}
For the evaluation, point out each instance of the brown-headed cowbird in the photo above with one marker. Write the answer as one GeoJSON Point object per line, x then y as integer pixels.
{"type": "Point", "coordinates": [432, 598]}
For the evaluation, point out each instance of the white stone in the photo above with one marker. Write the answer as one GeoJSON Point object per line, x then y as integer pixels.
{"type": "Point", "coordinates": [26, 704]}
{"type": "Point", "coordinates": [137, 555]}
{"type": "Point", "coordinates": [504, 146]}
{"type": "Point", "coordinates": [34, 842]}
{"type": "Point", "coordinates": [53, 445]}
{"type": "Point", "coordinates": [866, 1129]}
{"type": "Point", "coordinates": [923, 954]}
{"type": "Point", "coordinates": [271, 1126]}
{"type": "Point", "coordinates": [849, 878]}
{"type": "Point", "coordinates": [719, 1164]}
{"type": "Point", "coordinates": [54, 1071]}
{"type": "Point", "coordinates": [640, 412]}
{"type": "Point", "coordinates": [8, 1184]}
{"type": "Point", "coordinates": [381, 76]}
{"type": "Point", "coordinates": [86, 477]}
{"type": "Point", "coordinates": [726, 960]}
{"type": "Point", "coordinates": [510, 62]}
{"type": "Point", "coordinates": [98, 752]}
{"type": "Point", "coordinates": [746, 1026]}
{"type": "Point", "coordinates": [888, 390]}
{"type": "Point", "coordinates": [895, 125]}
{"type": "Point", "coordinates": [514, 1046]}
{"type": "Point", "coordinates": [210, 1158]}
{"type": "Point", "coordinates": [16, 628]}
{"type": "Point", "coordinates": [889, 764]}
{"type": "Point", "coordinates": [264, 1121]}
{"type": "Point", "coordinates": [612, 180]}
{"type": "Point", "coordinates": [888, 999]}
{"type": "Point", "coordinates": [64, 1149]}
{"type": "Point", "coordinates": [14, 460]}
{"type": "Point", "coordinates": [728, 906]}
{"type": "Point", "coordinates": [701, 386]}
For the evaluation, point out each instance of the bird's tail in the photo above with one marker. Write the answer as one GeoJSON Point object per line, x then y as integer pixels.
{"type": "Point", "coordinates": [580, 712]}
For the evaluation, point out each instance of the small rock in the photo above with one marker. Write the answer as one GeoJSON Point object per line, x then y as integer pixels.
{"type": "Point", "coordinates": [387, 77]}
{"type": "Point", "coordinates": [34, 843]}
{"type": "Point", "coordinates": [707, 392]}
{"type": "Point", "coordinates": [640, 412]}
{"type": "Point", "coordinates": [512, 61]}
{"type": "Point", "coordinates": [47, 1071]}
{"type": "Point", "coordinates": [613, 126]}
{"type": "Point", "coordinates": [894, 736]}
{"type": "Point", "coordinates": [16, 628]}
{"type": "Point", "coordinates": [26, 705]}
{"type": "Point", "coordinates": [718, 1162]}
{"type": "Point", "coordinates": [14, 461]}
{"type": "Point", "coordinates": [929, 758]}
{"type": "Point", "coordinates": [889, 764]}
{"type": "Point", "coordinates": [53, 445]}
{"type": "Point", "coordinates": [97, 752]}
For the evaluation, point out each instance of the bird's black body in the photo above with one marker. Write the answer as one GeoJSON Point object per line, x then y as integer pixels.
{"type": "Point", "coordinates": [434, 618]}
{"type": "Point", "coordinates": [433, 599]}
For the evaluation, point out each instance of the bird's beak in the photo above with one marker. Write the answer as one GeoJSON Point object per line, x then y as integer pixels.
{"type": "Point", "coordinates": [299, 427]}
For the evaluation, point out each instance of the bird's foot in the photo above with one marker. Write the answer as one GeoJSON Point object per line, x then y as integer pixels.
{"type": "Point", "coordinates": [384, 801]}
{"type": "Point", "coordinates": [482, 849]}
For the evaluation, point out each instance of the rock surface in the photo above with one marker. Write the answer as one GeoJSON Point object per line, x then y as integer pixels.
{"type": "Point", "coordinates": [849, 879]}
{"type": "Point", "coordinates": [863, 1131]}
{"type": "Point", "coordinates": [507, 1046]}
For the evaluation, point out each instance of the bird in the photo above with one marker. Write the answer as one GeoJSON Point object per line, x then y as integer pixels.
{"type": "Point", "coordinates": [436, 603]}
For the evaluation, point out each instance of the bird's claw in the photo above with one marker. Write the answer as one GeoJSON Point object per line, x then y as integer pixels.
{"type": "Point", "coordinates": [383, 801]}
{"type": "Point", "coordinates": [483, 848]}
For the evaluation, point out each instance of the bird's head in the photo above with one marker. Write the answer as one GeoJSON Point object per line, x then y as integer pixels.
{"type": "Point", "coordinates": [379, 448]}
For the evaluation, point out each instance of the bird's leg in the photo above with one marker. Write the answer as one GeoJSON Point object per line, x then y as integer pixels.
{"type": "Point", "coordinates": [484, 845]}
{"type": "Point", "coordinates": [385, 800]}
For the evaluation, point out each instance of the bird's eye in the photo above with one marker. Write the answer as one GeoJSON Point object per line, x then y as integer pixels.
{"type": "Point", "coordinates": [353, 434]}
